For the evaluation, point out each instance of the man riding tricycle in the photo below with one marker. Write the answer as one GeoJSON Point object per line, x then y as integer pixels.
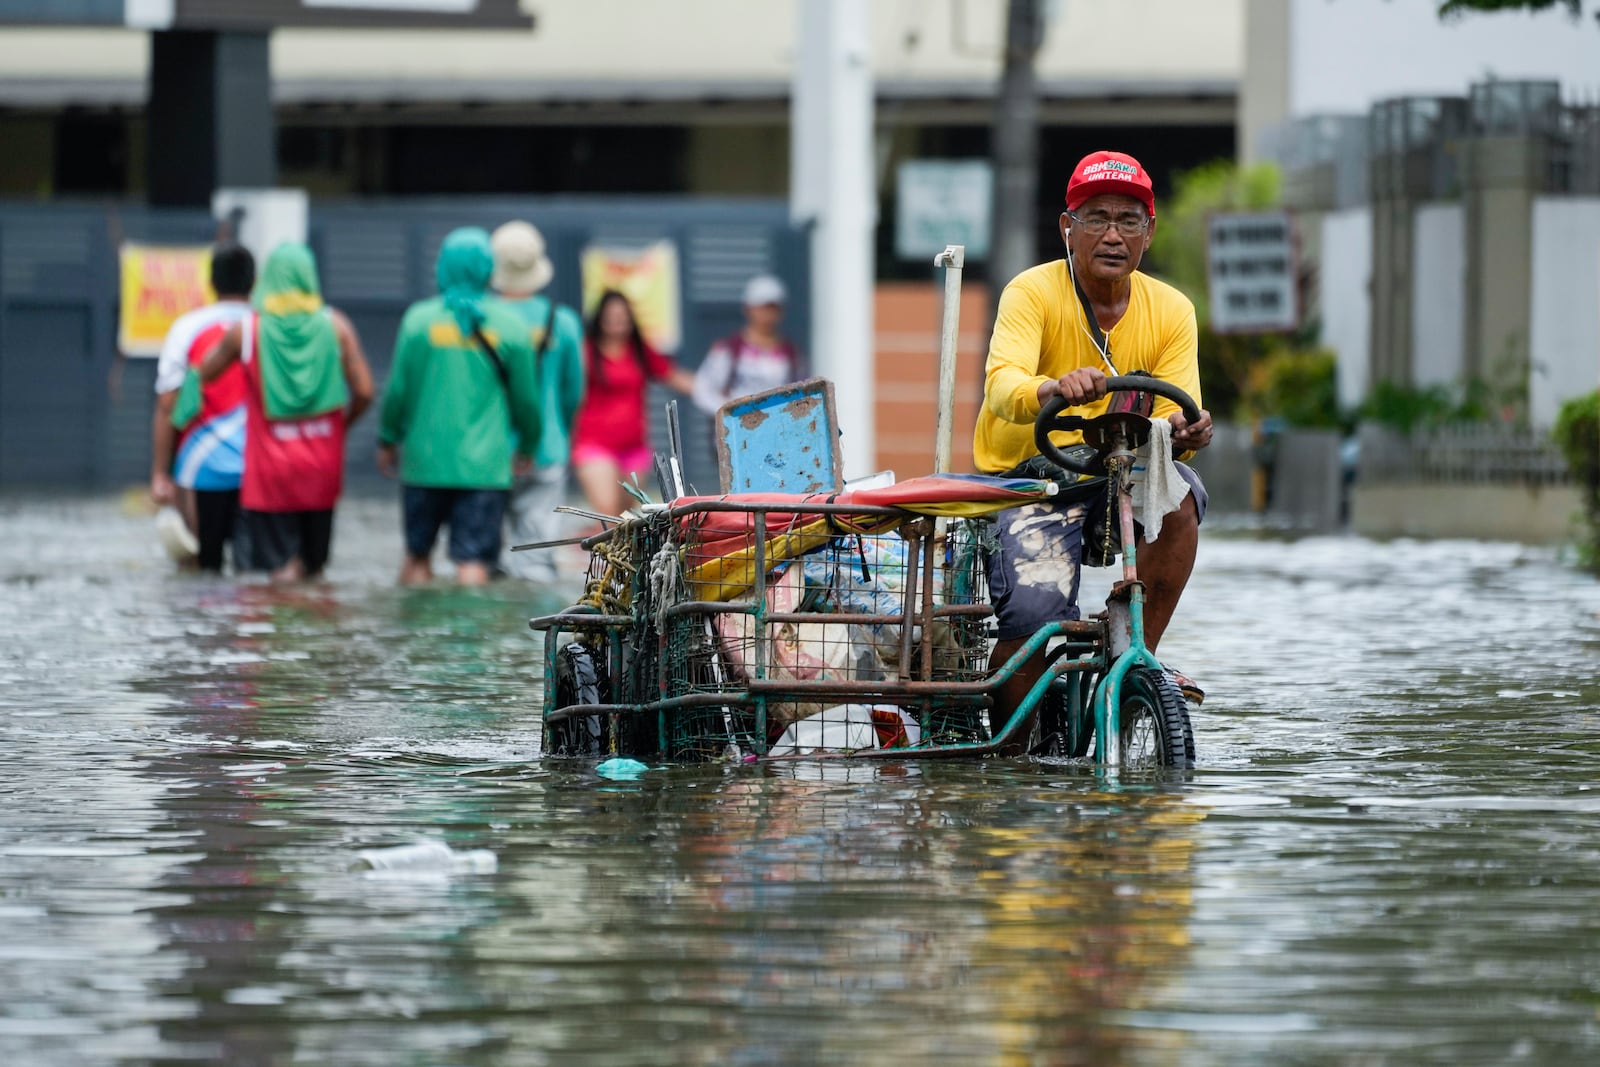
{"type": "Point", "coordinates": [937, 616]}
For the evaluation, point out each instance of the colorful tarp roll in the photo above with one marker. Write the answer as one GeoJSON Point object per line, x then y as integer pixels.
{"type": "Point", "coordinates": [720, 557]}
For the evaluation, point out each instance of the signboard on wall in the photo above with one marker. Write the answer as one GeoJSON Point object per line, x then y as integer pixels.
{"type": "Point", "coordinates": [648, 277]}
{"type": "Point", "coordinates": [941, 202]}
{"type": "Point", "coordinates": [1250, 268]}
{"type": "Point", "coordinates": [159, 283]}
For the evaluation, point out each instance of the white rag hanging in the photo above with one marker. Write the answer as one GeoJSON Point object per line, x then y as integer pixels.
{"type": "Point", "coordinates": [1158, 488]}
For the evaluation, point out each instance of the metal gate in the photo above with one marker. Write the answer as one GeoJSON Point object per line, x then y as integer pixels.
{"type": "Point", "coordinates": [74, 415]}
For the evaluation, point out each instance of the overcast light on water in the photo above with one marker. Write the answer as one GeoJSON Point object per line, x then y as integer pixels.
{"type": "Point", "coordinates": [1389, 853]}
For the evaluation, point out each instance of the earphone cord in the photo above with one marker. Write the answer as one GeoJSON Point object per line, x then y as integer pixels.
{"type": "Point", "coordinates": [1103, 349]}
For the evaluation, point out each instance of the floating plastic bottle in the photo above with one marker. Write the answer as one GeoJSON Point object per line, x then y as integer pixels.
{"type": "Point", "coordinates": [427, 857]}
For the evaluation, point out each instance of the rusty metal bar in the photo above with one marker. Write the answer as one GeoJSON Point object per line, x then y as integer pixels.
{"type": "Point", "coordinates": [733, 607]}
{"type": "Point", "coordinates": [578, 620]}
{"type": "Point", "coordinates": [926, 546]}
{"type": "Point", "coordinates": [759, 610]}
{"type": "Point", "coordinates": [911, 533]}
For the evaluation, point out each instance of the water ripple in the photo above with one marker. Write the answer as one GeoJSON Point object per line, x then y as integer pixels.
{"type": "Point", "coordinates": [1388, 854]}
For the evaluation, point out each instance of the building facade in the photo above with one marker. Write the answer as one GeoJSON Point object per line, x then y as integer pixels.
{"type": "Point", "coordinates": [627, 97]}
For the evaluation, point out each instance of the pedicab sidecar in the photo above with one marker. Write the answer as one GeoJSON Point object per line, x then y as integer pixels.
{"type": "Point", "coordinates": [853, 623]}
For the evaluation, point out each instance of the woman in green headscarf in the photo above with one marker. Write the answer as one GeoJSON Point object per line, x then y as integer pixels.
{"type": "Point", "coordinates": [298, 345]}
{"type": "Point", "coordinates": [306, 380]}
{"type": "Point", "coordinates": [462, 270]}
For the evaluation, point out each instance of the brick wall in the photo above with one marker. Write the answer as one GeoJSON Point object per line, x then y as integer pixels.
{"type": "Point", "coordinates": [906, 375]}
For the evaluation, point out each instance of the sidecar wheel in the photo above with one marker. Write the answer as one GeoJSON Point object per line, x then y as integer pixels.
{"type": "Point", "coordinates": [1055, 734]}
{"type": "Point", "coordinates": [580, 679]}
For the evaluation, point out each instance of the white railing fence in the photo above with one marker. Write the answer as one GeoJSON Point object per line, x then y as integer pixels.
{"type": "Point", "coordinates": [1461, 454]}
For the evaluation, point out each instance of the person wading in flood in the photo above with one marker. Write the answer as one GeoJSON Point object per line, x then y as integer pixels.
{"type": "Point", "coordinates": [306, 380]}
{"type": "Point", "coordinates": [756, 358]}
{"type": "Point", "coordinates": [197, 435]}
{"type": "Point", "coordinates": [521, 270]}
{"type": "Point", "coordinates": [460, 412]}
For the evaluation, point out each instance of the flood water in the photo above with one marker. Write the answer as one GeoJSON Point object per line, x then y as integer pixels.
{"type": "Point", "coordinates": [1389, 854]}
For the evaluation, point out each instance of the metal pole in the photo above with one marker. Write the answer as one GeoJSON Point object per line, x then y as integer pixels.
{"type": "Point", "coordinates": [832, 190]}
{"type": "Point", "coordinates": [1015, 142]}
{"type": "Point", "coordinates": [951, 259]}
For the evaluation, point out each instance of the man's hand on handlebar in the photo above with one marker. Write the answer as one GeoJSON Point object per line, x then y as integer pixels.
{"type": "Point", "coordinates": [1190, 436]}
{"type": "Point", "coordinates": [1079, 387]}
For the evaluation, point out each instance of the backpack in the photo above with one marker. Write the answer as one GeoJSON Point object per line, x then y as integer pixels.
{"type": "Point", "coordinates": [734, 343]}
{"type": "Point", "coordinates": [538, 353]}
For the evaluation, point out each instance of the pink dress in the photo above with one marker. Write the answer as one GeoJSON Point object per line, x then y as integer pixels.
{"type": "Point", "coordinates": [611, 421]}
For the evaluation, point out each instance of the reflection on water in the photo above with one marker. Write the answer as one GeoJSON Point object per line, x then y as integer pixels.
{"type": "Point", "coordinates": [1388, 853]}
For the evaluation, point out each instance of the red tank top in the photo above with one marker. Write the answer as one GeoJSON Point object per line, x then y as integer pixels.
{"type": "Point", "coordinates": [289, 464]}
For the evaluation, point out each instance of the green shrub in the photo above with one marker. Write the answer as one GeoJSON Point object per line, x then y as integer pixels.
{"type": "Point", "coordinates": [1298, 386]}
{"type": "Point", "coordinates": [1408, 407]}
{"type": "Point", "coordinates": [1178, 256]}
{"type": "Point", "coordinates": [1577, 434]}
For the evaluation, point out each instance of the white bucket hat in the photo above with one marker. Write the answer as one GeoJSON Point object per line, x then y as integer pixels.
{"type": "Point", "coordinates": [764, 289]}
{"type": "Point", "coordinates": [520, 262]}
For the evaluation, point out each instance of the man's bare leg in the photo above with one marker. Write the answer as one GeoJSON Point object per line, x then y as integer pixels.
{"type": "Point", "coordinates": [416, 571]}
{"type": "Point", "coordinates": [472, 573]}
{"type": "Point", "coordinates": [291, 573]}
{"type": "Point", "coordinates": [1014, 690]}
{"type": "Point", "coordinates": [1164, 568]}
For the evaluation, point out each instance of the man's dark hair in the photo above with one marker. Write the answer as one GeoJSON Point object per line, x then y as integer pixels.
{"type": "Point", "coordinates": [233, 270]}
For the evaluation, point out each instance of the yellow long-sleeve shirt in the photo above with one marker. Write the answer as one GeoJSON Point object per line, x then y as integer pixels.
{"type": "Point", "coordinates": [1041, 333]}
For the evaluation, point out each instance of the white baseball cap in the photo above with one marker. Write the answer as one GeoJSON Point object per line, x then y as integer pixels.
{"type": "Point", "coordinates": [764, 289]}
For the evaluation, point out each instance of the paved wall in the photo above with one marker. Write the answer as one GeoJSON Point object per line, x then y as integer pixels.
{"type": "Point", "coordinates": [1307, 480]}
{"type": "Point", "coordinates": [907, 317]}
{"type": "Point", "coordinates": [1563, 292]}
{"type": "Point", "coordinates": [1532, 515]}
{"type": "Point", "coordinates": [1225, 466]}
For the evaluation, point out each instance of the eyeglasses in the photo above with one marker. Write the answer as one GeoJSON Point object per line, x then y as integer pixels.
{"type": "Point", "coordinates": [1095, 225]}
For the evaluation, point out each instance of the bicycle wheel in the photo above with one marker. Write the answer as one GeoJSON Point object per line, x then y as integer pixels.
{"type": "Point", "coordinates": [580, 679]}
{"type": "Point", "coordinates": [1154, 722]}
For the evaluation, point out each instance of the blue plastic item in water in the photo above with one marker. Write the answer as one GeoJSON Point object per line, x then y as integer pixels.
{"type": "Point", "coordinates": [621, 769]}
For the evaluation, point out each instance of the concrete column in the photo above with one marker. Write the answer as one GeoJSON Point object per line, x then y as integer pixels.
{"type": "Point", "coordinates": [209, 117]}
{"type": "Point", "coordinates": [1264, 89]}
{"type": "Point", "coordinates": [832, 190]}
{"type": "Point", "coordinates": [1402, 172]}
{"type": "Point", "coordinates": [1392, 208]}
{"type": "Point", "coordinates": [1500, 178]}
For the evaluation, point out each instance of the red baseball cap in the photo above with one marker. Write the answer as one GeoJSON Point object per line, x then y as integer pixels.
{"type": "Point", "coordinates": [1110, 172]}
